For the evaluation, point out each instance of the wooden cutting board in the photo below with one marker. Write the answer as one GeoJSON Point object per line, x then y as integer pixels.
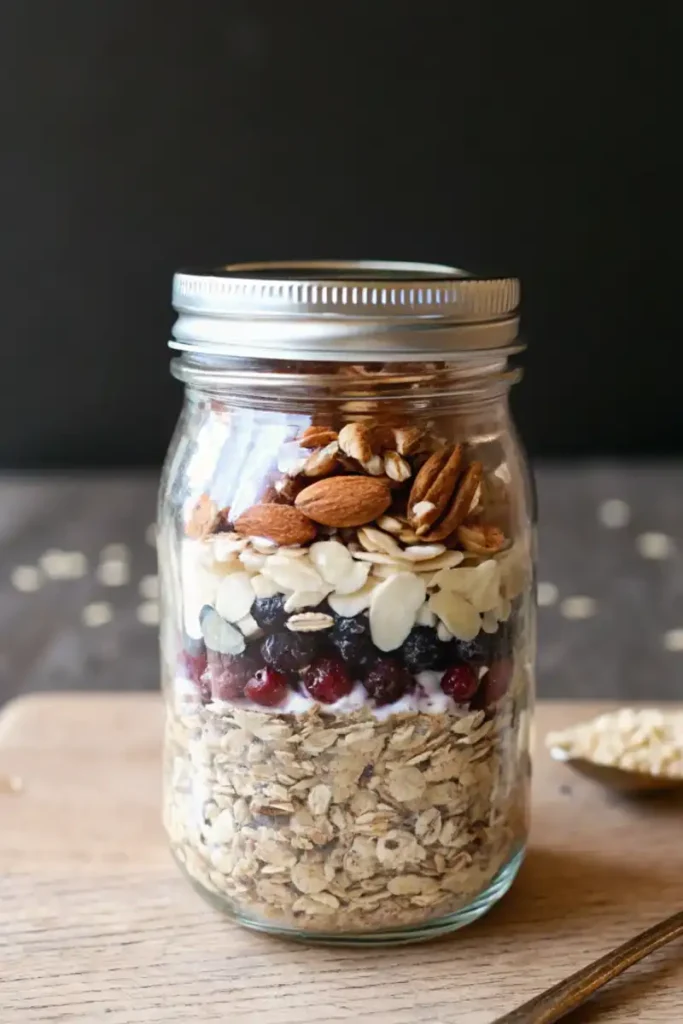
{"type": "Point", "coordinates": [97, 925]}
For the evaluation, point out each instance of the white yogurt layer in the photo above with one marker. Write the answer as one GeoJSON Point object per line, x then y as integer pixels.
{"type": "Point", "coordinates": [427, 697]}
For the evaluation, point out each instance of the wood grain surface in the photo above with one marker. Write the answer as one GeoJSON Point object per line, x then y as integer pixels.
{"type": "Point", "coordinates": [97, 925]}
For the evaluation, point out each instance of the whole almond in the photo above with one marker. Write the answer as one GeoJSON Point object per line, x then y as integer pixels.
{"type": "Point", "coordinates": [344, 500]}
{"type": "Point", "coordinates": [281, 523]}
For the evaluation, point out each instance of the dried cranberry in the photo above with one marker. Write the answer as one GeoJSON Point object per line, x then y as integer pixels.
{"type": "Point", "coordinates": [287, 652]}
{"type": "Point", "coordinates": [267, 687]}
{"type": "Point", "coordinates": [422, 650]}
{"type": "Point", "coordinates": [388, 680]}
{"type": "Point", "coordinates": [460, 682]}
{"type": "Point", "coordinates": [229, 674]}
{"type": "Point", "coordinates": [327, 680]}
{"type": "Point", "coordinates": [496, 681]}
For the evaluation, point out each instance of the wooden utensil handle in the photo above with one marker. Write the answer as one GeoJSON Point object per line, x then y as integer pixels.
{"type": "Point", "coordinates": [557, 1001]}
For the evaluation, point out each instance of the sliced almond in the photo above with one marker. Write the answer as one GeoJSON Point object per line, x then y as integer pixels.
{"type": "Point", "coordinates": [456, 613]}
{"type": "Point", "coordinates": [344, 500]}
{"type": "Point", "coordinates": [292, 573]}
{"type": "Point", "coordinates": [393, 608]}
{"type": "Point", "coordinates": [408, 536]}
{"type": "Point", "coordinates": [280, 523]}
{"type": "Point", "coordinates": [376, 540]}
{"type": "Point", "coordinates": [489, 622]}
{"type": "Point", "coordinates": [332, 560]}
{"type": "Point", "coordinates": [304, 599]}
{"type": "Point", "coordinates": [390, 525]}
{"type": "Point", "coordinates": [356, 441]}
{"type": "Point", "coordinates": [423, 552]}
{"type": "Point", "coordinates": [355, 578]}
{"type": "Point", "coordinates": [309, 622]}
{"type": "Point", "coordinates": [443, 633]}
{"type": "Point", "coordinates": [263, 586]}
{"type": "Point", "coordinates": [252, 560]}
{"type": "Point", "coordinates": [380, 558]}
{"type": "Point", "coordinates": [355, 603]}
{"type": "Point", "coordinates": [249, 627]}
{"type": "Point", "coordinates": [264, 545]}
{"type": "Point", "coordinates": [235, 596]}
{"type": "Point", "coordinates": [225, 547]}
{"type": "Point", "coordinates": [449, 558]}
{"type": "Point", "coordinates": [425, 616]}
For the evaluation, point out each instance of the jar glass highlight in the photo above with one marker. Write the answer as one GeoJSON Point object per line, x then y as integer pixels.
{"type": "Point", "coordinates": [346, 559]}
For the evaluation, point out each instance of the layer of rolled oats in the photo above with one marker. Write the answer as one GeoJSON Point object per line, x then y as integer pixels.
{"type": "Point", "coordinates": [344, 824]}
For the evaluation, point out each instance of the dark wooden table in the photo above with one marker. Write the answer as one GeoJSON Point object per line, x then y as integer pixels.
{"type": "Point", "coordinates": [625, 646]}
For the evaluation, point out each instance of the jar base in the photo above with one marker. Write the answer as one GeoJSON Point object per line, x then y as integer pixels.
{"type": "Point", "coordinates": [382, 938]}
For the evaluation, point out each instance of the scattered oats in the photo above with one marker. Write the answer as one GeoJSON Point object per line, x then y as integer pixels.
{"type": "Point", "coordinates": [547, 594]}
{"type": "Point", "coordinates": [645, 740]}
{"type": "Point", "coordinates": [99, 613]}
{"type": "Point", "coordinates": [27, 578]}
{"type": "Point", "coordinates": [113, 573]}
{"type": "Point", "coordinates": [410, 885]}
{"type": "Point", "coordinates": [673, 640]}
{"type": "Point", "coordinates": [63, 565]}
{"type": "Point", "coordinates": [149, 587]}
{"type": "Point", "coordinates": [148, 613]}
{"type": "Point", "coordinates": [578, 607]}
{"type": "Point", "coordinates": [655, 545]}
{"type": "Point", "coordinates": [309, 878]}
{"type": "Point", "coordinates": [115, 553]}
{"type": "Point", "coordinates": [614, 513]}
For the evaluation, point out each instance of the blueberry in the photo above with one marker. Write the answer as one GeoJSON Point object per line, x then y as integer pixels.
{"type": "Point", "coordinates": [269, 612]}
{"type": "Point", "coordinates": [351, 637]}
{"type": "Point", "coordinates": [472, 652]}
{"type": "Point", "coordinates": [422, 650]}
{"type": "Point", "coordinates": [287, 652]}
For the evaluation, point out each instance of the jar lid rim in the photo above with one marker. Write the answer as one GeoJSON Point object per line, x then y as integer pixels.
{"type": "Point", "coordinates": [344, 297]}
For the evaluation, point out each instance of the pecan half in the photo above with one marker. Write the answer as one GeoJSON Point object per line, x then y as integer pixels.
{"type": "Point", "coordinates": [434, 486]}
{"type": "Point", "coordinates": [460, 506]}
{"type": "Point", "coordinates": [204, 518]}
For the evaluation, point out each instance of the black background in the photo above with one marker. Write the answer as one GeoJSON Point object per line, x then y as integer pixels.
{"type": "Point", "coordinates": [140, 136]}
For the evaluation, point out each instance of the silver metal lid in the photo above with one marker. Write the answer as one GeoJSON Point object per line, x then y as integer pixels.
{"type": "Point", "coordinates": [350, 311]}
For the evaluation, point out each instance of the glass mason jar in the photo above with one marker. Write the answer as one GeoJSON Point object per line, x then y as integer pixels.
{"type": "Point", "coordinates": [346, 546]}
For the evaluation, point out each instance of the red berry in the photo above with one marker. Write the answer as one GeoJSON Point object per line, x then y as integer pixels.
{"type": "Point", "coordinates": [267, 687]}
{"type": "Point", "coordinates": [387, 681]}
{"type": "Point", "coordinates": [460, 682]}
{"type": "Point", "coordinates": [327, 680]}
{"type": "Point", "coordinates": [497, 680]}
{"type": "Point", "coordinates": [229, 675]}
{"type": "Point", "coordinates": [194, 665]}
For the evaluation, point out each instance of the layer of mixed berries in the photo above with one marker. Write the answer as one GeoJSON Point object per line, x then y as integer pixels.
{"type": "Point", "coordinates": [326, 664]}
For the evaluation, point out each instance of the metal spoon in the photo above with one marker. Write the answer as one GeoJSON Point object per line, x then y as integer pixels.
{"type": "Point", "coordinates": [559, 1000]}
{"type": "Point", "coordinates": [624, 780]}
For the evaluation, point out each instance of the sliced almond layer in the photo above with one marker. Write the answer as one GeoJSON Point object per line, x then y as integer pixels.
{"type": "Point", "coordinates": [292, 573]}
{"type": "Point", "coordinates": [353, 604]}
{"type": "Point", "coordinates": [456, 613]}
{"type": "Point", "coordinates": [304, 599]}
{"type": "Point", "coordinates": [393, 608]}
{"type": "Point", "coordinates": [332, 560]}
{"type": "Point", "coordinates": [235, 596]}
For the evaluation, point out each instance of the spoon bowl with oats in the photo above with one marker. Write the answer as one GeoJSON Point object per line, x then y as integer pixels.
{"type": "Point", "coordinates": [630, 751]}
